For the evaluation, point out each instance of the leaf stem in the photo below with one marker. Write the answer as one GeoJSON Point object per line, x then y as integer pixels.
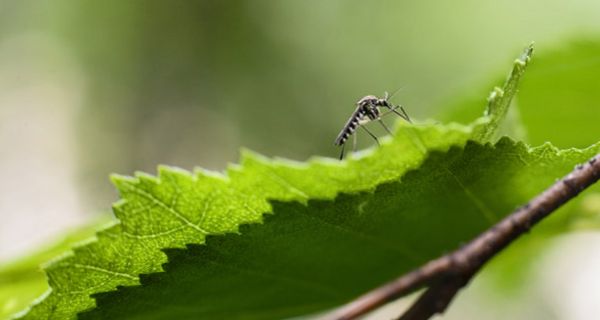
{"type": "Point", "coordinates": [446, 275]}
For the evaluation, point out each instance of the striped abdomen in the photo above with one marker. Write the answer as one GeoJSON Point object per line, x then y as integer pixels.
{"type": "Point", "coordinates": [349, 127]}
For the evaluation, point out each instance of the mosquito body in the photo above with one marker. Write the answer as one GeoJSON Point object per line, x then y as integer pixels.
{"type": "Point", "coordinates": [367, 110]}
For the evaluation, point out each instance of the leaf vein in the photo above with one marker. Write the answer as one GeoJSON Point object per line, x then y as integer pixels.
{"type": "Point", "coordinates": [174, 212]}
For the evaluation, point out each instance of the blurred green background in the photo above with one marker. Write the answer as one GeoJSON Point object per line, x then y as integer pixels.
{"type": "Point", "coordinates": [89, 88]}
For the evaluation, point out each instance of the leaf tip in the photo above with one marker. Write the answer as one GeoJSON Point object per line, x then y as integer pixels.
{"type": "Point", "coordinates": [525, 57]}
{"type": "Point", "coordinates": [120, 181]}
{"type": "Point", "coordinates": [249, 155]}
{"type": "Point", "coordinates": [140, 175]}
{"type": "Point", "coordinates": [171, 172]}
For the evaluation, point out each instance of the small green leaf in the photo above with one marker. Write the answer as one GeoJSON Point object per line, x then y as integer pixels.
{"type": "Point", "coordinates": [500, 98]}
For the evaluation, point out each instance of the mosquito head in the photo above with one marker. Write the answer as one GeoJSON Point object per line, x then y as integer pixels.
{"type": "Point", "coordinates": [383, 102]}
{"type": "Point", "coordinates": [368, 100]}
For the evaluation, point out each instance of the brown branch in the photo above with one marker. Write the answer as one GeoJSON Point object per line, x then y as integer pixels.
{"type": "Point", "coordinates": [446, 275]}
{"type": "Point", "coordinates": [435, 299]}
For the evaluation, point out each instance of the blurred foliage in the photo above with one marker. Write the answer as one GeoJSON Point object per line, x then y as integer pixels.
{"type": "Point", "coordinates": [564, 86]}
{"type": "Point", "coordinates": [23, 280]}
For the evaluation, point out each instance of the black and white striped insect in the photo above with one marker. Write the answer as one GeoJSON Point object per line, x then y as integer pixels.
{"type": "Point", "coordinates": [367, 110]}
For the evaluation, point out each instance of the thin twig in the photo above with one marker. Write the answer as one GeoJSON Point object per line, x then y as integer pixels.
{"type": "Point", "coordinates": [446, 275]}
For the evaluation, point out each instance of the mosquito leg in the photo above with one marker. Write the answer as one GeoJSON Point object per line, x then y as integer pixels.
{"type": "Point", "coordinates": [342, 153]}
{"type": "Point", "coordinates": [402, 115]}
{"type": "Point", "coordinates": [385, 127]}
{"type": "Point", "coordinates": [405, 114]}
{"type": "Point", "coordinates": [389, 111]}
{"type": "Point", "coordinates": [354, 143]}
{"type": "Point", "coordinates": [371, 134]}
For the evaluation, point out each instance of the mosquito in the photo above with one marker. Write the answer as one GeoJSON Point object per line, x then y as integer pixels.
{"type": "Point", "coordinates": [367, 110]}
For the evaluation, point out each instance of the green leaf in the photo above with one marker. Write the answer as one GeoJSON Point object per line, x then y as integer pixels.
{"type": "Point", "coordinates": [309, 257]}
{"type": "Point", "coordinates": [500, 98]}
{"type": "Point", "coordinates": [313, 252]}
{"type": "Point", "coordinates": [179, 208]}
